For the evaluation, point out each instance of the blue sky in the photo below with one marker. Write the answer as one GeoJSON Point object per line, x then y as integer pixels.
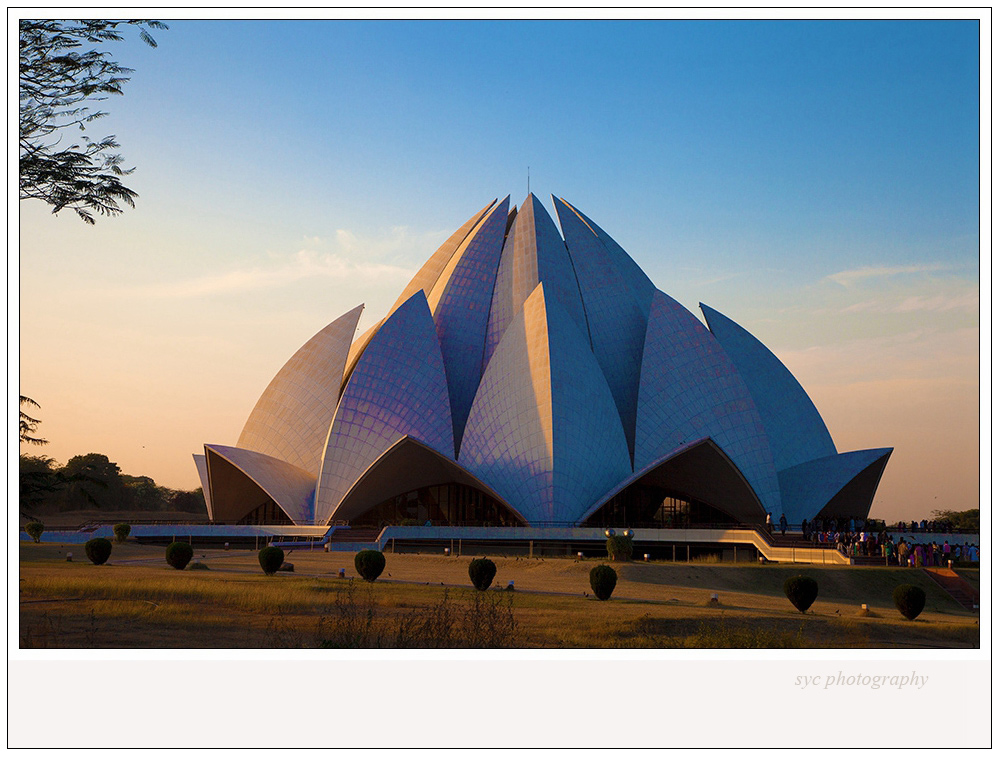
{"type": "Point", "coordinates": [818, 182]}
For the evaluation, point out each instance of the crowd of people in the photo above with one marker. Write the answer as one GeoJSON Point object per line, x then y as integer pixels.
{"type": "Point", "coordinates": [857, 538]}
{"type": "Point", "coordinates": [920, 554]}
{"type": "Point", "coordinates": [854, 540]}
{"type": "Point", "coordinates": [845, 531]}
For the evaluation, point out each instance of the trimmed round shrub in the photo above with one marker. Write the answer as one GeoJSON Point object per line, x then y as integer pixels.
{"type": "Point", "coordinates": [98, 550]}
{"type": "Point", "coordinates": [35, 530]}
{"type": "Point", "coordinates": [481, 572]}
{"type": "Point", "coordinates": [801, 591]}
{"type": "Point", "coordinates": [179, 554]}
{"type": "Point", "coordinates": [369, 564]}
{"type": "Point", "coordinates": [122, 531]}
{"type": "Point", "coordinates": [620, 547]}
{"type": "Point", "coordinates": [603, 580]}
{"type": "Point", "coordinates": [270, 559]}
{"type": "Point", "coordinates": [909, 599]}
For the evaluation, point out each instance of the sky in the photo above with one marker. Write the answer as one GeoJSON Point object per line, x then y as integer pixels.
{"type": "Point", "coordinates": [817, 182]}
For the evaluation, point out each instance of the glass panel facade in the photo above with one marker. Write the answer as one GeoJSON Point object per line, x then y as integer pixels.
{"type": "Point", "coordinates": [266, 513]}
{"type": "Point", "coordinates": [448, 504]}
{"type": "Point", "coordinates": [642, 506]}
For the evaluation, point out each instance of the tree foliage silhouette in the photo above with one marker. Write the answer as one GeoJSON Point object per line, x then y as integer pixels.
{"type": "Point", "coordinates": [27, 425]}
{"type": "Point", "coordinates": [59, 80]}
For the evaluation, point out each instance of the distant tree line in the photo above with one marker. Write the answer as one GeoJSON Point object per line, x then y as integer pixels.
{"type": "Point", "coordinates": [945, 521]}
{"type": "Point", "coordinates": [958, 519]}
{"type": "Point", "coordinates": [93, 482]}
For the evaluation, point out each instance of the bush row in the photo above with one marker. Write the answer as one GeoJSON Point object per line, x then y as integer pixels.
{"type": "Point", "coordinates": [482, 571]}
{"type": "Point", "coordinates": [801, 591]}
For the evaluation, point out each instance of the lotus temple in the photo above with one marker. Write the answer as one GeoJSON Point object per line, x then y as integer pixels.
{"type": "Point", "coordinates": [532, 378]}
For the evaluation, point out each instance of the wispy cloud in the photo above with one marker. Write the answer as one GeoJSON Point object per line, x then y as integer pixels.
{"type": "Point", "coordinates": [921, 354]}
{"type": "Point", "coordinates": [304, 265]}
{"type": "Point", "coordinates": [347, 259]}
{"type": "Point", "coordinates": [709, 281]}
{"type": "Point", "coordinates": [853, 276]}
{"type": "Point", "coordinates": [962, 301]}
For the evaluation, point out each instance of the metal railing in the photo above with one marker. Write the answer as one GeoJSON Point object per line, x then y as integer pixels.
{"type": "Point", "coordinates": [562, 525]}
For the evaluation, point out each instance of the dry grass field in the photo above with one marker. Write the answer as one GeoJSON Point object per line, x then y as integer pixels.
{"type": "Point", "coordinates": [423, 601]}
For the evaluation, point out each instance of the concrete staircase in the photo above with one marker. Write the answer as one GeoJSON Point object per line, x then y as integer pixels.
{"type": "Point", "coordinates": [354, 535]}
{"type": "Point", "coordinates": [792, 539]}
{"type": "Point", "coordinates": [963, 592]}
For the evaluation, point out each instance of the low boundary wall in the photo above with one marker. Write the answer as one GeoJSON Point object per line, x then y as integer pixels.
{"type": "Point", "coordinates": [458, 538]}
{"type": "Point", "coordinates": [568, 539]}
